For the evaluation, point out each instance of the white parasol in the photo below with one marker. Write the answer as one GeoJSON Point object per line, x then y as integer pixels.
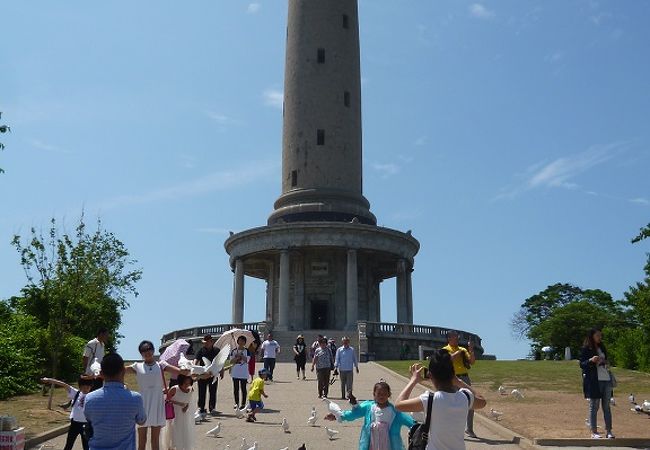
{"type": "Point", "coordinates": [230, 337]}
{"type": "Point", "coordinates": [173, 352]}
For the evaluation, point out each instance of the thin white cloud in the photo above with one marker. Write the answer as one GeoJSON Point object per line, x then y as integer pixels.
{"type": "Point", "coordinates": [386, 170]}
{"type": "Point", "coordinates": [480, 12]}
{"type": "Point", "coordinates": [419, 142]}
{"type": "Point", "coordinates": [253, 8]}
{"type": "Point", "coordinates": [273, 97]}
{"type": "Point", "coordinates": [253, 172]}
{"type": "Point", "coordinates": [221, 119]}
{"type": "Point", "coordinates": [38, 144]}
{"type": "Point", "coordinates": [640, 201]}
{"type": "Point", "coordinates": [561, 172]}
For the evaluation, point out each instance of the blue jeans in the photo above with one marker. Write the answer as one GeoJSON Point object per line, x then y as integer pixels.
{"type": "Point", "coordinates": [605, 388]}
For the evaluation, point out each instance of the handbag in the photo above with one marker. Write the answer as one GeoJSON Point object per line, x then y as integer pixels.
{"type": "Point", "coordinates": [419, 433]}
{"type": "Point", "coordinates": [169, 405]}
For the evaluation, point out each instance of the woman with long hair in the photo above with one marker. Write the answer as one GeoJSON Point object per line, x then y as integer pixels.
{"type": "Point", "coordinates": [450, 401]}
{"type": "Point", "coordinates": [300, 356]}
{"type": "Point", "coordinates": [596, 380]}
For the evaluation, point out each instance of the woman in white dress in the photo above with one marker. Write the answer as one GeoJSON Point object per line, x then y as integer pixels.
{"type": "Point", "coordinates": [151, 385]}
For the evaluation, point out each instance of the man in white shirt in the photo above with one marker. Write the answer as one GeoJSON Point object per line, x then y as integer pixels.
{"type": "Point", "coordinates": [344, 362]}
{"type": "Point", "coordinates": [95, 348]}
{"type": "Point", "coordinates": [270, 348]}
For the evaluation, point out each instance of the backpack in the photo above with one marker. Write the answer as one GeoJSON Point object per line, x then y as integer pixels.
{"type": "Point", "coordinates": [419, 433]}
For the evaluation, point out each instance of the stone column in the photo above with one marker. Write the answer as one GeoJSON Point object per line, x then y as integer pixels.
{"type": "Point", "coordinates": [299, 294]}
{"type": "Point", "coordinates": [270, 292]}
{"type": "Point", "coordinates": [401, 294]}
{"type": "Point", "coordinates": [283, 304]}
{"type": "Point", "coordinates": [238, 293]}
{"type": "Point", "coordinates": [352, 291]}
{"type": "Point", "coordinates": [409, 296]}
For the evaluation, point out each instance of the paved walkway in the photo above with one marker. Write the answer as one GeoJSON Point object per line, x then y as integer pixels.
{"type": "Point", "coordinates": [293, 399]}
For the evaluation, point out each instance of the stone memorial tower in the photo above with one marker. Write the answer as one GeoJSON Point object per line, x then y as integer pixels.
{"type": "Point", "coordinates": [321, 253]}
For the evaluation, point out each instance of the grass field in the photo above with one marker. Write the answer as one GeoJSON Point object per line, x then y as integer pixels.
{"type": "Point", "coordinates": [558, 376]}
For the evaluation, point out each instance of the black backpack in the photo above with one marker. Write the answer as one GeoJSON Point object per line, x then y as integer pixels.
{"type": "Point", "coordinates": [419, 432]}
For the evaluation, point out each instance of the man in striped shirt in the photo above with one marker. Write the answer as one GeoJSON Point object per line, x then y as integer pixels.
{"type": "Point", "coordinates": [113, 410]}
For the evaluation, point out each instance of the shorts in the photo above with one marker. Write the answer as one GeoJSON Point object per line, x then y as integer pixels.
{"type": "Point", "coordinates": [254, 404]}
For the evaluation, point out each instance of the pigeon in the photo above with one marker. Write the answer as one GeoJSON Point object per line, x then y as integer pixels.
{"type": "Point", "coordinates": [227, 447]}
{"type": "Point", "coordinates": [313, 411]}
{"type": "Point", "coordinates": [96, 367]}
{"type": "Point", "coordinates": [239, 413]}
{"type": "Point", "coordinates": [494, 414]}
{"type": "Point", "coordinates": [587, 424]}
{"type": "Point", "coordinates": [637, 409]}
{"type": "Point", "coordinates": [646, 406]}
{"type": "Point", "coordinates": [502, 390]}
{"type": "Point", "coordinates": [215, 431]}
{"type": "Point", "coordinates": [333, 408]}
{"type": "Point", "coordinates": [312, 420]}
{"type": "Point", "coordinates": [243, 445]}
{"type": "Point", "coordinates": [184, 363]}
{"type": "Point", "coordinates": [517, 394]}
{"type": "Point", "coordinates": [631, 399]}
{"type": "Point", "coordinates": [285, 425]}
{"type": "Point", "coordinates": [612, 400]}
{"type": "Point", "coordinates": [254, 447]}
{"type": "Point", "coordinates": [302, 447]}
{"type": "Point", "coordinates": [331, 434]}
{"type": "Point", "coordinates": [198, 417]}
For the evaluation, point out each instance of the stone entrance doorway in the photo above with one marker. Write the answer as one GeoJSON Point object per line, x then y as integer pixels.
{"type": "Point", "coordinates": [319, 313]}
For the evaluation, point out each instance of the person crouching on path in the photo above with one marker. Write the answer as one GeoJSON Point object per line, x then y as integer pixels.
{"type": "Point", "coordinates": [462, 358]}
{"type": "Point", "coordinates": [77, 417]}
{"type": "Point", "coordinates": [451, 399]}
{"type": "Point", "coordinates": [382, 422]}
{"type": "Point", "coordinates": [323, 362]}
{"type": "Point", "coordinates": [255, 395]}
{"type": "Point", "coordinates": [344, 361]}
{"type": "Point", "coordinates": [113, 410]}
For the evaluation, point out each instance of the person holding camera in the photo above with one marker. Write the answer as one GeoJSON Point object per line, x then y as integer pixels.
{"type": "Point", "coordinates": [462, 359]}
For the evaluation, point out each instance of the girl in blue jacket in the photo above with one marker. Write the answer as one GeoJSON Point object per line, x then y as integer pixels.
{"type": "Point", "coordinates": [382, 422]}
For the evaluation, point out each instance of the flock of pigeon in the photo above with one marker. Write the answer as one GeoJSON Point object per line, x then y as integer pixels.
{"type": "Point", "coordinates": [331, 434]}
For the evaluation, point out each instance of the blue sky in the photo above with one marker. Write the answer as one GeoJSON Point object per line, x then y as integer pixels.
{"type": "Point", "coordinates": [511, 137]}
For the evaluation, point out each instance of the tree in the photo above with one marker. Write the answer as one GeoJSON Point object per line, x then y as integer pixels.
{"type": "Point", "coordinates": [560, 315]}
{"type": "Point", "coordinates": [643, 233]}
{"type": "Point", "coordinates": [3, 129]}
{"type": "Point", "coordinates": [76, 284]}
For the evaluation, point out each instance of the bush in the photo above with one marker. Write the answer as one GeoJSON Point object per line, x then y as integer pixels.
{"type": "Point", "coordinates": [20, 357]}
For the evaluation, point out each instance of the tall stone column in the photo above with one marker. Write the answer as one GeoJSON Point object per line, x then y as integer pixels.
{"type": "Point", "coordinates": [238, 293]}
{"type": "Point", "coordinates": [409, 296]}
{"type": "Point", "coordinates": [352, 291]}
{"type": "Point", "coordinates": [401, 294]}
{"type": "Point", "coordinates": [283, 304]}
{"type": "Point", "coordinates": [299, 294]}
{"type": "Point", "coordinates": [270, 292]}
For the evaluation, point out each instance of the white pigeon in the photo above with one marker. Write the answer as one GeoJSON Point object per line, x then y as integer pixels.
{"type": "Point", "coordinates": [331, 434]}
{"type": "Point", "coordinates": [243, 445]}
{"type": "Point", "coordinates": [517, 394]}
{"type": "Point", "coordinates": [215, 431]}
{"type": "Point", "coordinates": [494, 414]}
{"type": "Point", "coordinates": [637, 409]}
{"type": "Point", "coordinates": [218, 362]}
{"type": "Point", "coordinates": [612, 400]}
{"type": "Point", "coordinates": [285, 425]}
{"type": "Point", "coordinates": [334, 408]}
{"type": "Point", "coordinates": [587, 424]}
{"type": "Point", "coordinates": [313, 411]}
{"type": "Point", "coordinates": [631, 399]}
{"type": "Point", "coordinates": [184, 363]}
{"type": "Point", "coordinates": [312, 420]}
{"type": "Point", "coordinates": [239, 413]}
{"type": "Point", "coordinates": [254, 447]}
{"type": "Point", "coordinates": [646, 406]}
{"type": "Point", "coordinates": [197, 417]}
{"type": "Point", "coordinates": [502, 390]}
{"type": "Point", "coordinates": [96, 367]}
{"type": "Point", "coordinates": [197, 370]}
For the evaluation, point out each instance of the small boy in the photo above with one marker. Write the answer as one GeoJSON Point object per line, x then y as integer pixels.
{"type": "Point", "coordinates": [77, 417]}
{"type": "Point", "coordinates": [255, 395]}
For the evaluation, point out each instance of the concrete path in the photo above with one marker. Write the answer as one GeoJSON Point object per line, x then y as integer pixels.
{"type": "Point", "coordinates": [293, 399]}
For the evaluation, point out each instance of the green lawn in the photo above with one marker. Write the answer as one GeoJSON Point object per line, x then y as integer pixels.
{"type": "Point", "coordinates": [562, 376]}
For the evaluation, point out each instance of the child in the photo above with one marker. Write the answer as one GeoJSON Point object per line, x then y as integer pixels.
{"type": "Point", "coordinates": [77, 418]}
{"type": "Point", "coordinates": [382, 422]}
{"type": "Point", "coordinates": [239, 371]}
{"type": "Point", "coordinates": [255, 395]}
{"type": "Point", "coordinates": [180, 427]}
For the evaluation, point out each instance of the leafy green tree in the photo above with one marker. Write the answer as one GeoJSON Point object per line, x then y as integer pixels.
{"type": "Point", "coordinates": [76, 284]}
{"type": "Point", "coordinates": [643, 233]}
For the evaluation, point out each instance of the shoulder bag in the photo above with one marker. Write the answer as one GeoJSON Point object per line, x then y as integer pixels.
{"type": "Point", "coordinates": [419, 433]}
{"type": "Point", "coordinates": [169, 405]}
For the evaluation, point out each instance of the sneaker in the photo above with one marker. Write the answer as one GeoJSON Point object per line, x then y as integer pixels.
{"type": "Point", "coordinates": [304, 377]}
{"type": "Point", "coordinates": [250, 419]}
{"type": "Point", "coordinates": [595, 436]}
{"type": "Point", "coordinates": [298, 377]}
{"type": "Point", "coordinates": [610, 435]}
{"type": "Point", "coordinates": [470, 434]}
{"type": "Point", "coordinates": [235, 406]}
{"type": "Point", "coordinates": [213, 412]}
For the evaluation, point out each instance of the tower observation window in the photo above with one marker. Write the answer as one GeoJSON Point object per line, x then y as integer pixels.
{"type": "Point", "coordinates": [320, 137]}
{"type": "Point", "coordinates": [346, 21]}
{"type": "Point", "coordinates": [346, 98]}
{"type": "Point", "coordinates": [320, 56]}
{"type": "Point", "coordinates": [294, 178]}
